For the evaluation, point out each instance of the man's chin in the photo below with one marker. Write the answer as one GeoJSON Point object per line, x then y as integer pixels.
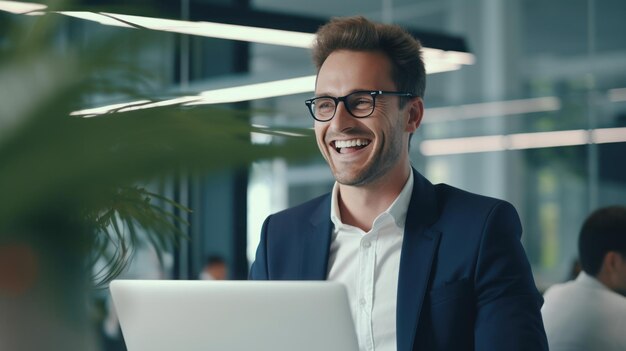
{"type": "Point", "coordinates": [349, 180]}
{"type": "Point", "coordinates": [353, 179]}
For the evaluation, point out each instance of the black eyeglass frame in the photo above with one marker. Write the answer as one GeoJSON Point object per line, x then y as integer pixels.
{"type": "Point", "coordinates": [310, 102]}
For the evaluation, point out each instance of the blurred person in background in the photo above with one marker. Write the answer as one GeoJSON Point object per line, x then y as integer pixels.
{"type": "Point", "coordinates": [589, 313]}
{"type": "Point", "coordinates": [215, 268]}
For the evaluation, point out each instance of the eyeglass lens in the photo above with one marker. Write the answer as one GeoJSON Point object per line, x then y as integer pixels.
{"type": "Point", "coordinates": [359, 104]}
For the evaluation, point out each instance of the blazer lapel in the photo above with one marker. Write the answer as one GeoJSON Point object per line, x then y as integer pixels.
{"type": "Point", "coordinates": [418, 251]}
{"type": "Point", "coordinates": [316, 242]}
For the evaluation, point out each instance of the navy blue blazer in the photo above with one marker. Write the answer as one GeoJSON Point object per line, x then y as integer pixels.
{"type": "Point", "coordinates": [464, 282]}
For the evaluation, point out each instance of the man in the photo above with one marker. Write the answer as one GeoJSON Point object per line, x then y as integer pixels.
{"type": "Point", "coordinates": [589, 313]}
{"type": "Point", "coordinates": [426, 267]}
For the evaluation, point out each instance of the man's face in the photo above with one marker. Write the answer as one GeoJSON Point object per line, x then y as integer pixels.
{"type": "Point", "coordinates": [218, 271]}
{"type": "Point", "coordinates": [383, 136]}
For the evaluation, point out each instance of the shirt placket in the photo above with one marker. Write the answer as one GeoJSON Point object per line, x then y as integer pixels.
{"type": "Point", "coordinates": [367, 253]}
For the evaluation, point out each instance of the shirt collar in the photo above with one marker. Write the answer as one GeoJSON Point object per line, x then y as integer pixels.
{"type": "Point", "coordinates": [591, 282]}
{"type": "Point", "coordinates": [398, 209]}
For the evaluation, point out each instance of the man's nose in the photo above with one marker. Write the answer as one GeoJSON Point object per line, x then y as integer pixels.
{"type": "Point", "coordinates": [342, 120]}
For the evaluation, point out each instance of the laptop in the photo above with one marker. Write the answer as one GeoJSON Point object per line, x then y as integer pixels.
{"type": "Point", "coordinates": [166, 315]}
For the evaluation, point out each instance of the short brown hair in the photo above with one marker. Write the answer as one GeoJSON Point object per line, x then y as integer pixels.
{"type": "Point", "coordinates": [359, 34]}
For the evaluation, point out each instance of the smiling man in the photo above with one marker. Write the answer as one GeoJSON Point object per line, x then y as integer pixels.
{"type": "Point", "coordinates": [426, 267]}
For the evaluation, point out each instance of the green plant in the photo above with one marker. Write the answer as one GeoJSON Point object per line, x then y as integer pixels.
{"type": "Point", "coordinates": [69, 185]}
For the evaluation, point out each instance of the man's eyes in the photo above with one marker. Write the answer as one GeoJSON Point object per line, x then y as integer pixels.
{"type": "Point", "coordinates": [361, 103]}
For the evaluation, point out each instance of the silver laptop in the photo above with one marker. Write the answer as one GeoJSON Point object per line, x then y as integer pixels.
{"type": "Point", "coordinates": [171, 315]}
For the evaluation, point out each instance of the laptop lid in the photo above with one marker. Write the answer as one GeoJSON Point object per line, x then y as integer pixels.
{"type": "Point", "coordinates": [165, 315]}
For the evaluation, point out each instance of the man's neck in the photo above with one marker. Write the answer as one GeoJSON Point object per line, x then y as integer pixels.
{"type": "Point", "coordinates": [360, 205]}
{"type": "Point", "coordinates": [606, 279]}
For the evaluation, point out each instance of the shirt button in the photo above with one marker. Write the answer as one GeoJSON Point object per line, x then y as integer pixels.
{"type": "Point", "coordinates": [362, 301]}
{"type": "Point", "coordinates": [367, 244]}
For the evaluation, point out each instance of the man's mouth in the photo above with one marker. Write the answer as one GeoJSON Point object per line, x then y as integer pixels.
{"type": "Point", "coordinates": [352, 145]}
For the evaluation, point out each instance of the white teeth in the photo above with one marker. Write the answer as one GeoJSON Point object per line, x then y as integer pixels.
{"type": "Point", "coordinates": [351, 143]}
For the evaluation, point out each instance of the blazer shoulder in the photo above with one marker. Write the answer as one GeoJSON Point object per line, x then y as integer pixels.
{"type": "Point", "coordinates": [317, 207]}
{"type": "Point", "coordinates": [463, 211]}
{"type": "Point", "coordinates": [455, 198]}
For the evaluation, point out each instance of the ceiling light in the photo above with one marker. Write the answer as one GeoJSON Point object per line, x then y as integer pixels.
{"type": "Point", "coordinates": [257, 91]}
{"type": "Point", "coordinates": [221, 30]}
{"type": "Point", "coordinates": [492, 109]}
{"type": "Point", "coordinates": [608, 135]}
{"type": "Point", "coordinates": [617, 95]}
{"type": "Point", "coordinates": [20, 8]}
{"type": "Point", "coordinates": [455, 57]}
{"type": "Point", "coordinates": [462, 145]}
{"type": "Point", "coordinates": [522, 141]}
{"type": "Point", "coordinates": [547, 139]}
{"type": "Point", "coordinates": [436, 60]}
{"type": "Point", "coordinates": [217, 96]}
{"type": "Point", "coordinates": [169, 102]}
{"type": "Point", "coordinates": [107, 109]}
{"type": "Point", "coordinates": [95, 17]}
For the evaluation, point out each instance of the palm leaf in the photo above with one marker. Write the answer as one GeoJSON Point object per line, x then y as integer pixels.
{"type": "Point", "coordinates": [88, 166]}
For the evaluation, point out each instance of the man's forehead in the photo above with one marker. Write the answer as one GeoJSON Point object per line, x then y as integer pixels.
{"type": "Point", "coordinates": [348, 55]}
{"type": "Point", "coordinates": [346, 71]}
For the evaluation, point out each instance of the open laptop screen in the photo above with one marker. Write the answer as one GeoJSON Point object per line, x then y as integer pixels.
{"type": "Point", "coordinates": [171, 315]}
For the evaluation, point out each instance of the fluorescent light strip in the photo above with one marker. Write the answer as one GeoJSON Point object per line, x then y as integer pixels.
{"type": "Point", "coordinates": [455, 57]}
{"type": "Point", "coordinates": [95, 17]}
{"type": "Point", "coordinates": [217, 96]}
{"type": "Point", "coordinates": [462, 145]}
{"type": "Point", "coordinates": [522, 141]}
{"type": "Point", "coordinates": [617, 95]}
{"type": "Point", "coordinates": [20, 8]}
{"type": "Point", "coordinates": [547, 139]}
{"type": "Point", "coordinates": [170, 102]}
{"type": "Point", "coordinates": [257, 91]}
{"type": "Point", "coordinates": [222, 31]}
{"type": "Point", "coordinates": [438, 67]}
{"type": "Point", "coordinates": [199, 28]}
{"type": "Point", "coordinates": [436, 60]}
{"type": "Point", "coordinates": [608, 135]}
{"type": "Point", "coordinates": [492, 109]}
{"type": "Point", "coordinates": [282, 132]}
{"type": "Point", "coordinates": [132, 106]}
{"type": "Point", "coordinates": [107, 109]}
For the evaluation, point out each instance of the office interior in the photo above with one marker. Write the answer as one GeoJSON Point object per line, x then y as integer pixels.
{"type": "Point", "coordinates": [525, 101]}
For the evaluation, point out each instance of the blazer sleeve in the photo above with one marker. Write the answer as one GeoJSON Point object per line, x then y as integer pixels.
{"type": "Point", "coordinates": [259, 270]}
{"type": "Point", "coordinates": [508, 303]}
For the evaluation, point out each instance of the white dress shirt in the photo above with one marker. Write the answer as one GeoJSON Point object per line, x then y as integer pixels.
{"type": "Point", "coordinates": [368, 265]}
{"type": "Point", "coordinates": [584, 315]}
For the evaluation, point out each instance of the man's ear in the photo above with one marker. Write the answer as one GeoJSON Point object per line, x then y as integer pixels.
{"type": "Point", "coordinates": [612, 261]}
{"type": "Point", "coordinates": [415, 109]}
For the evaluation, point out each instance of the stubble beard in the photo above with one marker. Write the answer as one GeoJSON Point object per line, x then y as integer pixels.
{"type": "Point", "coordinates": [379, 167]}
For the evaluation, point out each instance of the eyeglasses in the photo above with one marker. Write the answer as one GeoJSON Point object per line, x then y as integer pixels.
{"type": "Point", "coordinates": [359, 104]}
